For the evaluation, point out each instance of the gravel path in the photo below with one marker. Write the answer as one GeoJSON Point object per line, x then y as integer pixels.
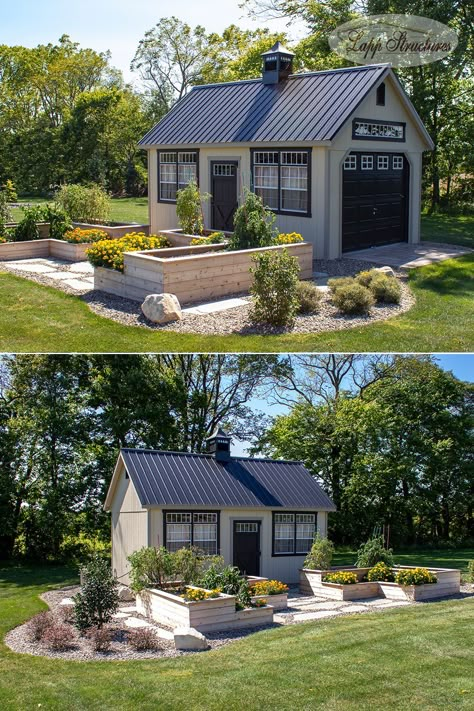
{"type": "Point", "coordinates": [236, 320]}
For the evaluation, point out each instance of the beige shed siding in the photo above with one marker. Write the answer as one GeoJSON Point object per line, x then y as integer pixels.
{"type": "Point", "coordinates": [129, 526]}
{"type": "Point", "coordinates": [283, 568]}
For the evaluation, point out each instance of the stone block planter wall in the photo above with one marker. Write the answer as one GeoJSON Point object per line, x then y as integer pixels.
{"type": "Point", "coordinates": [311, 583]}
{"type": "Point", "coordinates": [192, 273]}
{"type": "Point", "coordinates": [213, 614]}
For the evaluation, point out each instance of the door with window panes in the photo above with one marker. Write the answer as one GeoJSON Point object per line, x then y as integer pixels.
{"type": "Point", "coordinates": [246, 549]}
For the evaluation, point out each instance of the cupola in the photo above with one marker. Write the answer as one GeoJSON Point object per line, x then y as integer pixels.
{"type": "Point", "coordinates": [218, 444]}
{"type": "Point", "coordinates": [277, 64]}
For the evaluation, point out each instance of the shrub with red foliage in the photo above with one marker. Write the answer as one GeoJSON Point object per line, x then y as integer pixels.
{"type": "Point", "coordinates": [38, 625]}
{"type": "Point", "coordinates": [143, 639]}
{"type": "Point", "coordinates": [58, 637]}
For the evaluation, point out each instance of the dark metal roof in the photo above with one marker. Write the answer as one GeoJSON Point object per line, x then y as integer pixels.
{"type": "Point", "coordinates": [305, 107]}
{"type": "Point", "coordinates": [177, 479]}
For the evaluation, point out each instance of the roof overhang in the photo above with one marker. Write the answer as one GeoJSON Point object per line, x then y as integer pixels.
{"type": "Point", "coordinates": [119, 466]}
{"type": "Point", "coordinates": [220, 146]}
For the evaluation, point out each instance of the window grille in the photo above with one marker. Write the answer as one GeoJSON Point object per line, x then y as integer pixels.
{"type": "Point", "coordinates": [350, 163]}
{"type": "Point", "coordinates": [382, 162]}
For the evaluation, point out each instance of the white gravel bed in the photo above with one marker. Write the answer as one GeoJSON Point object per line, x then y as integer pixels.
{"type": "Point", "coordinates": [236, 320]}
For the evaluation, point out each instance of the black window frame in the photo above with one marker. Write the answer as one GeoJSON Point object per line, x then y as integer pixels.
{"type": "Point", "coordinates": [279, 211]}
{"type": "Point", "coordinates": [380, 95]}
{"type": "Point", "coordinates": [294, 554]}
{"type": "Point", "coordinates": [192, 512]}
{"type": "Point", "coordinates": [177, 151]}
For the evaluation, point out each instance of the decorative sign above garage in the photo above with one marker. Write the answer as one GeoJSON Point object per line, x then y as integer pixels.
{"type": "Point", "coordinates": [369, 129]}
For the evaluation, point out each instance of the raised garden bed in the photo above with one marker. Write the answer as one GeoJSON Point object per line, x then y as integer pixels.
{"type": "Point", "coordinates": [213, 614]}
{"type": "Point", "coordinates": [114, 229]}
{"type": "Point", "coordinates": [180, 239]}
{"type": "Point", "coordinates": [312, 583]}
{"type": "Point", "coordinates": [44, 247]}
{"type": "Point", "coordinates": [193, 274]}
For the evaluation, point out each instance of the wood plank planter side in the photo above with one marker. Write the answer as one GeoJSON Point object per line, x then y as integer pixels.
{"type": "Point", "coordinates": [46, 247]}
{"type": "Point", "coordinates": [278, 602]}
{"type": "Point", "coordinates": [114, 230]}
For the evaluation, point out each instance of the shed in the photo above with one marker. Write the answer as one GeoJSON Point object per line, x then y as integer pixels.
{"type": "Point", "coordinates": [337, 154]}
{"type": "Point", "coordinates": [259, 514]}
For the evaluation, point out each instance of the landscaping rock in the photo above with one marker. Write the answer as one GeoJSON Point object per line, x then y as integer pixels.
{"type": "Point", "coordinates": [162, 308]}
{"type": "Point", "coordinates": [125, 594]}
{"type": "Point", "coordinates": [187, 638]}
{"type": "Point", "coordinates": [385, 270]}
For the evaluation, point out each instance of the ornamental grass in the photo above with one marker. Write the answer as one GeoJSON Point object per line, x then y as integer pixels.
{"type": "Point", "coordinates": [109, 253]}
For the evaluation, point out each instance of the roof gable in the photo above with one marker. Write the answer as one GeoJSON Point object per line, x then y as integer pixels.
{"type": "Point", "coordinates": [309, 107]}
{"type": "Point", "coordinates": [180, 479]}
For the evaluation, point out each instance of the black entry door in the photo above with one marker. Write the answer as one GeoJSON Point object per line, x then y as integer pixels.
{"type": "Point", "coordinates": [247, 546]}
{"type": "Point", "coordinates": [224, 194]}
{"type": "Point", "coordinates": [375, 200]}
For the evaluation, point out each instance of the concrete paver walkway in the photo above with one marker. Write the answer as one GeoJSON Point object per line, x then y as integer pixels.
{"type": "Point", "coordinates": [409, 256]}
{"type": "Point", "coordinates": [77, 275]}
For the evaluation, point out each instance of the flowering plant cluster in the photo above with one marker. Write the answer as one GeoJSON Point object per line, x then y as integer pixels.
{"type": "Point", "coordinates": [415, 576]}
{"type": "Point", "coordinates": [268, 587]}
{"type": "Point", "coordinates": [341, 577]}
{"type": "Point", "coordinates": [381, 572]}
{"type": "Point", "coordinates": [288, 238]}
{"type": "Point", "coordinates": [214, 238]}
{"type": "Point", "coordinates": [109, 252]}
{"type": "Point", "coordinates": [196, 594]}
{"type": "Point", "coordinates": [80, 236]}
{"type": "Point", "coordinates": [259, 603]}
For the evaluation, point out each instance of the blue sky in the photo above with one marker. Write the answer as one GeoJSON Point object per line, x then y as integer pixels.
{"type": "Point", "coordinates": [460, 364]}
{"type": "Point", "coordinates": [115, 25]}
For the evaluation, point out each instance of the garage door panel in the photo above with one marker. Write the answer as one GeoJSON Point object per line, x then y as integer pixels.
{"type": "Point", "coordinates": [375, 208]}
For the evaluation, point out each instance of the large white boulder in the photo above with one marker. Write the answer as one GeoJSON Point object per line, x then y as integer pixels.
{"type": "Point", "coordinates": [125, 594]}
{"type": "Point", "coordinates": [162, 308]}
{"type": "Point", "coordinates": [187, 638]}
{"type": "Point", "coordinates": [385, 270]}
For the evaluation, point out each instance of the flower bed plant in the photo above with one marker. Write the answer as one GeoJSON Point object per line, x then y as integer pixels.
{"type": "Point", "coordinates": [341, 577]}
{"type": "Point", "coordinates": [268, 587]}
{"type": "Point", "coordinates": [193, 594]}
{"type": "Point", "coordinates": [415, 576]}
{"type": "Point", "coordinates": [381, 571]}
{"type": "Point", "coordinates": [81, 236]}
{"type": "Point", "coordinates": [109, 253]}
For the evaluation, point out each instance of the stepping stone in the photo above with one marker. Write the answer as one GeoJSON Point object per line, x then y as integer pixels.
{"type": "Point", "coordinates": [164, 634]}
{"type": "Point", "coordinates": [356, 608]}
{"type": "Point", "coordinates": [316, 615]}
{"type": "Point", "coordinates": [131, 608]}
{"type": "Point", "coordinates": [59, 276]}
{"type": "Point", "coordinates": [135, 622]}
{"type": "Point", "coordinates": [82, 268]}
{"type": "Point", "coordinates": [396, 603]}
{"type": "Point", "coordinates": [120, 616]}
{"type": "Point", "coordinates": [77, 284]}
{"type": "Point", "coordinates": [35, 268]}
{"type": "Point", "coordinates": [215, 306]}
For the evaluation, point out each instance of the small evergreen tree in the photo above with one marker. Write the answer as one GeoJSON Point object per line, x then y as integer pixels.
{"type": "Point", "coordinates": [189, 209]}
{"type": "Point", "coordinates": [253, 224]}
{"type": "Point", "coordinates": [98, 599]}
{"type": "Point", "coordinates": [321, 553]}
{"type": "Point", "coordinates": [373, 552]}
{"type": "Point", "coordinates": [274, 288]}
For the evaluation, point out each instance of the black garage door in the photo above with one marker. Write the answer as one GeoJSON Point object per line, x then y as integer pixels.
{"type": "Point", "coordinates": [375, 200]}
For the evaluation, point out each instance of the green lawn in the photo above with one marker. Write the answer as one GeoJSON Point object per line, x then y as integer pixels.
{"type": "Point", "coordinates": [122, 209]}
{"type": "Point", "coordinates": [445, 228]}
{"type": "Point", "coordinates": [428, 557]}
{"type": "Point", "coordinates": [34, 318]}
{"type": "Point", "coordinates": [419, 657]}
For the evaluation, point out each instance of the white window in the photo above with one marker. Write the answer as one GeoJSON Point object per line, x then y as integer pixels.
{"type": "Point", "coordinates": [176, 170]}
{"type": "Point", "coordinates": [246, 527]}
{"type": "Point", "coordinates": [397, 162]}
{"type": "Point", "coordinates": [350, 163]}
{"type": "Point", "coordinates": [184, 529]}
{"type": "Point", "coordinates": [281, 180]}
{"type": "Point", "coordinates": [382, 162]}
{"type": "Point", "coordinates": [367, 162]}
{"type": "Point", "coordinates": [293, 533]}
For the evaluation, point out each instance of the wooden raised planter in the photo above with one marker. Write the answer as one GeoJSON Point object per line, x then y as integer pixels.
{"type": "Point", "coordinates": [193, 274]}
{"type": "Point", "coordinates": [214, 614]}
{"type": "Point", "coordinates": [178, 238]}
{"type": "Point", "coordinates": [278, 602]}
{"type": "Point", "coordinates": [114, 230]}
{"type": "Point", "coordinates": [46, 247]}
{"type": "Point", "coordinates": [311, 583]}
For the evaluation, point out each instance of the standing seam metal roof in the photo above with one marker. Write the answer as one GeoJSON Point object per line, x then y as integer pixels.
{"type": "Point", "coordinates": [305, 107]}
{"type": "Point", "coordinates": [180, 479]}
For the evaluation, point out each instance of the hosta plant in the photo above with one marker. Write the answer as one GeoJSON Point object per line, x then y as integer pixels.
{"type": "Point", "coordinates": [415, 576]}
{"type": "Point", "coordinates": [341, 577]}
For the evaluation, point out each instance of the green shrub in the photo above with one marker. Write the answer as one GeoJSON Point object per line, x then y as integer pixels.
{"type": "Point", "coordinates": [80, 548]}
{"type": "Point", "coordinates": [214, 238]}
{"type": "Point", "coordinates": [84, 204]}
{"type": "Point", "coordinates": [321, 554]}
{"type": "Point", "coordinates": [338, 282]}
{"type": "Point", "coordinates": [341, 577]}
{"type": "Point", "coordinates": [59, 222]}
{"type": "Point", "coordinates": [470, 571]}
{"type": "Point", "coordinates": [187, 564]}
{"type": "Point", "coordinates": [150, 567]}
{"type": "Point", "coordinates": [10, 191]}
{"type": "Point", "coordinates": [415, 576]}
{"type": "Point", "coordinates": [5, 211]}
{"type": "Point", "coordinates": [274, 288]}
{"type": "Point", "coordinates": [373, 552]}
{"type": "Point", "coordinates": [28, 228]}
{"type": "Point", "coordinates": [381, 571]}
{"type": "Point", "coordinates": [309, 297]}
{"type": "Point", "coordinates": [386, 289]}
{"type": "Point", "coordinates": [253, 224]}
{"type": "Point", "coordinates": [98, 599]}
{"type": "Point", "coordinates": [228, 580]}
{"type": "Point", "coordinates": [189, 209]}
{"type": "Point", "coordinates": [353, 299]}
{"type": "Point", "coordinates": [366, 277]}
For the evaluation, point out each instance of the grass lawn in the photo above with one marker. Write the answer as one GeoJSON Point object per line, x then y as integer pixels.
{"type": "Point", "coordinates": [427, 557]}
{"type": "Point", "coordinates": [34, 318]}
{"type": "Point", "coordinates": [418, 657]}
{"type": "Point", "coordinates": [445, 228]}
{"type": "Point", "coordinates": [122, 209]}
